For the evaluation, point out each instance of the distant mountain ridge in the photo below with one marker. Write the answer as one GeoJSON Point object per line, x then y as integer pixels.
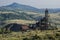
{"type": "Point", "coordinates": [19, 7]}
{"type": "Point", "coordinates": [16, 6]}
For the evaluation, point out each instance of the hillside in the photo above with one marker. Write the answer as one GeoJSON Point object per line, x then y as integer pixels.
{"type": "Point", "coordinates": [24, 15]}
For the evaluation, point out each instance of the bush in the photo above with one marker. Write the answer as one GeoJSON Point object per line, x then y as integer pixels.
{"type": "Point", "coordinates": [25, 39]}
{"type": "Point", "coordinates": [50, 37]}
{"type": "Point", "coordinates": [57, 35]}
{"type": "Point", "coordinates": [36, 37]}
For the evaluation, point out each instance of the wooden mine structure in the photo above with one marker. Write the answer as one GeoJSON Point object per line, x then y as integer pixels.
{"type": "Point", "coordinates": [43, 24]}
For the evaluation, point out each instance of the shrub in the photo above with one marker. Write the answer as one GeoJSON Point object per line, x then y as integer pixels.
{"type": "Point", "coordinates": [50, 37]}
{"type": "Point", "coordinates": [36, 37]}
{"type": "Point", "coordinates": [57, 35]}
{"type": "Point", "coordinates": [25, 39]}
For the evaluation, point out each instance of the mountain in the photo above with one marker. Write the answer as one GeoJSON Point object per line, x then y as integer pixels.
{"type": "Point", "coordinates": [16, 6]}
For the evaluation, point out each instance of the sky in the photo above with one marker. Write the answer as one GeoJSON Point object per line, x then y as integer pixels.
{"type": "Point", "coordinates": [34, 3]}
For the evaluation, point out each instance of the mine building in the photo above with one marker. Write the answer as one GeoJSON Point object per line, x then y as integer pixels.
{"type": "Point", "coordinates": [44, 23]}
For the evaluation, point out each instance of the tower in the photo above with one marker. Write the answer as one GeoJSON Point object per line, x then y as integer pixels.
{"type": "Point", "coordinates": [46, 19]}
{"type": "Point", "coordinates": [46, 14]}
{"type": "Point", "coordinates": [44, 22]}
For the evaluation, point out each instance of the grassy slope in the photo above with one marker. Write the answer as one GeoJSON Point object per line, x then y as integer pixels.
{"type": "Point", "coordinates": [55, 17]}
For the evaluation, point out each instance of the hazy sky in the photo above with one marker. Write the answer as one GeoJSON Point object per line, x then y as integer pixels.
{"type": "Point", "coordinates": [34, 3]}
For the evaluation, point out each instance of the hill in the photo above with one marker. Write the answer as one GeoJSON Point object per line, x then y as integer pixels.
{"type": "Point", "coordinates": [16, 6]}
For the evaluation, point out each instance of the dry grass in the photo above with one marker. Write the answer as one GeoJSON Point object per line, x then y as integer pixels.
{"type": "Point", "coordinates": [20, 21]}
{"type": "Point", "coordinates": [30, 34]}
